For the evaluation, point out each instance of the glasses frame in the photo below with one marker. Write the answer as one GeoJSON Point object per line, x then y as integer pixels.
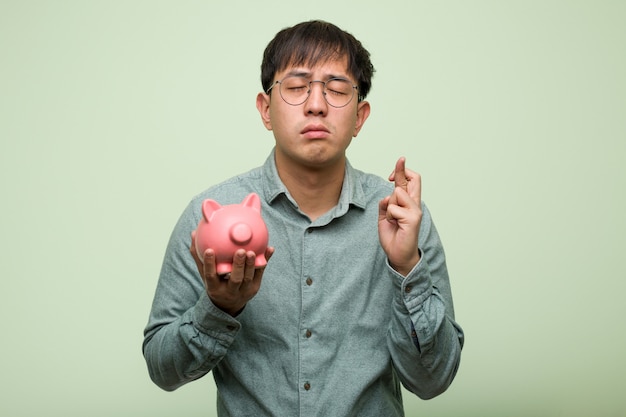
{"type": "Point", "coordinates": [308, 94]}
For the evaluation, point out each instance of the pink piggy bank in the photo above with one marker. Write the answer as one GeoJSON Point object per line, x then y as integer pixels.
{"type": "Point", "coordinates": [225, 229]}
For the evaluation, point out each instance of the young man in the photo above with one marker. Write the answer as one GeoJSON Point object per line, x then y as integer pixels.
{"type": "Point", "coordinates": [355, 298]}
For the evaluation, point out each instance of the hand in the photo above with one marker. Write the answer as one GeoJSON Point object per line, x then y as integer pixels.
{"type": "Point", "coordinates": [399, 219]}
{"type": "Point", "coordinates": [230, 293]}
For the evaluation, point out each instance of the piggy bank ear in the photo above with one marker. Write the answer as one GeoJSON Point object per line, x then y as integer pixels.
{"type": "Point", "coordinates": [252, 201]}
{"type": "Point", "coordinates": [209, 207]}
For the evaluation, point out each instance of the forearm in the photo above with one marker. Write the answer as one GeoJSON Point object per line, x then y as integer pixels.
{"type": "Point", "coordinates": [424, 340]}
{"type": "Point", "coordinates": [186, 335]}
{"type": "Point", "coordinates": [188, 347]}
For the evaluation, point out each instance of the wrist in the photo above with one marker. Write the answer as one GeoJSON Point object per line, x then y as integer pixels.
{"type": "Point", "coordinates": [230, 309]}
{"type": "Point", "coordinates": [405, 268]}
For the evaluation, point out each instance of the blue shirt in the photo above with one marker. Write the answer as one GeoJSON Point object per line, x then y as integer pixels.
{"type": "Point", "coordinates": [333, 330]}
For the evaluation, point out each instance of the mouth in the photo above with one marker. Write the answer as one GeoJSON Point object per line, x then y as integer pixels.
{"type": "Point", "coordinates": [315, 131]}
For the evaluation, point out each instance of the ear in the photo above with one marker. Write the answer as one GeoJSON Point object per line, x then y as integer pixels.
{"type": "Point", "coordinates": [208, 208]}
{"type": "Point", "coordinates": [362, 113]}
{"type": "Point", "coordinates": [263, 106]}
{"type": "Point", "coordinates": [253, 201]}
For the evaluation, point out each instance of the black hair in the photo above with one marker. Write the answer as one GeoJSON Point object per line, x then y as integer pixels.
{"type": "Point", "coordinates": [314, 42]}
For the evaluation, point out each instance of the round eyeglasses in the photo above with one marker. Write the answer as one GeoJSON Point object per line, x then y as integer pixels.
{"type": "Point", "coordinates": [295, 90]}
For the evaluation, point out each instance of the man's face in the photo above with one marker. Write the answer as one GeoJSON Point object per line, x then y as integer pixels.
{"type": "Point", "coordinates": [313, 134]}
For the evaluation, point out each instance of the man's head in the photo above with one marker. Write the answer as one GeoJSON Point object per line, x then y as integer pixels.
{"type": "Point", "coordinates": [308, 66]}
{"type": "Point", "coordinates": [316, 42]}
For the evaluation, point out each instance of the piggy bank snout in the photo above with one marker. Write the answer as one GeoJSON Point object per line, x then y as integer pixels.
{"type": "Point", "coordinates": [240, 233]}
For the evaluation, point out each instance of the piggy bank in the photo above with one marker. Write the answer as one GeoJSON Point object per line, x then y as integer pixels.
{"type": "Point", "coordinates": [225, 229]}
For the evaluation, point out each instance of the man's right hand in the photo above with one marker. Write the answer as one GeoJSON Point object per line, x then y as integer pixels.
{"type": "Point", "coordinates": [230, 292]}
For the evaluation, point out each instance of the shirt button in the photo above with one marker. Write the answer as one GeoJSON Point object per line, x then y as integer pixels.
{"type": "Point", "coordinates": [309, 281]}
{"type": "Point", "coordinates": [408, 289]}
{"type": "Point", "coordinates": [307, 386]}
{"type": "Point", "coordinates": [231, 327]}
{"type": "Point", "coordinates": [308, 334]}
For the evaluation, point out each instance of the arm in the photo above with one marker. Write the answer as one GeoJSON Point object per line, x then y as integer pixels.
{"type": "Point", "coordinates": [192, 322]}
{"type": "Point", "coordinates": [424, 341]}
{"type": "Point", "coordinates": [186, 335]}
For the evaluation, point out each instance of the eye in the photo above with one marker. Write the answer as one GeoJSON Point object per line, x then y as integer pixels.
{"type": "Point", "coordinates": [336, 92]}
{"type": "Point", "coordinates": [295, 85]}
{"type": "Point", "coordinates": [339, 87]}
{"type": "Point", "coordinates": [297, 88]}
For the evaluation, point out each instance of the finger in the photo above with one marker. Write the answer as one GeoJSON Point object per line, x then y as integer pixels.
{"type": "Point", "coordinates": [408, 180]}
{"type": "Point", "coordinates": [391, 214]}
{"type": "Point", "coordinates": [200, 263]}
{"type": "Point", "coordinates": [395, 204]}
{"type": "Point", "coordinates": [402, 205]}
{"type": "Point", "coordinates": [417, 192]}
{"type": "Point", "coordinates": [248, 273]}
{"type": "Point", "coordinates": [258, 272]}
{"type": "Point", "coordinates": [209, 270]}
{"type": "Point", "coordinates": [192, 250]}
{"type": "Point", "coordinates": [382, 207]}
{"type": "Point", "coordinates": [399, 175]}
{"type": "Point", "coordinates": [269, 252]}
{"type": "Point", "coordinates": [414, 188]}
{"type": "Point", "coordinates": [238, 269]}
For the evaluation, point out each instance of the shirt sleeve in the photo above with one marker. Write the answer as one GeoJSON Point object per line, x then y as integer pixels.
{"type": "Point", "coordinates": [186, 335]}
{"type": "Point", "coordinates": [424, 340]}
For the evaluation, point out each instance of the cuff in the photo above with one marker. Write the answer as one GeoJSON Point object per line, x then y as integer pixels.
{"type": "Point", "coordinates": [415, 287]}
{"type": "Point", "coordinates": [211, 320]}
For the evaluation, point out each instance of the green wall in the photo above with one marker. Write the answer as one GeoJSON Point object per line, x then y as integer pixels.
{"type": "Point", "coordinates": [113, 114]}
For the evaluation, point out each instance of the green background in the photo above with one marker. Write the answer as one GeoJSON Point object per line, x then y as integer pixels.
{"type": "Point", "coordinates": [113, 114]}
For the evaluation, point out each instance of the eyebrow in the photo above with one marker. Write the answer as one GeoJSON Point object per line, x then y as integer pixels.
{"type": "Point", "coordinates": [298, 73]}
{"type": "Point", "coordinates": [308, 74]}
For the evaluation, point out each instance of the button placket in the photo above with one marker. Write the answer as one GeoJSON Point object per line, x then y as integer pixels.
{"type": "Point", "coordinates": [307, 348]}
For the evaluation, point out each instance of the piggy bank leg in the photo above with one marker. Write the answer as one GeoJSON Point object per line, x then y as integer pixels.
{"type": "Point", "coordinates": [260, 261]}
{"type": "Point", "coordinates": [223, 268]}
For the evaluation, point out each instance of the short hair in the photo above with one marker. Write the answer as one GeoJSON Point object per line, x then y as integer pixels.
{"type": "Point", "coordinates": [313, 42]}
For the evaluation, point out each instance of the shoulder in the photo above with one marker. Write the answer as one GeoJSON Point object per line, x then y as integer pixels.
{"type": "Point", "coordinates": [368, 186]}
{"type": "Point", "coordinates": [230, 191]}
{"type": "Point", "coordinates": [234, 189]}
{"type": "Point", "coordinates": [371, 186]}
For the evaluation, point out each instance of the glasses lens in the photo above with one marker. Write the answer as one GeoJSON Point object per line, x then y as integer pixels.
{"type": "Point", "coordinates": [338, 92]}
{"type": "Point", "coordinates": [295, 91]}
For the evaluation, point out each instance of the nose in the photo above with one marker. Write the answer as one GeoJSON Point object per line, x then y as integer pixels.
{"type": "Point", "coordinates": [316, 103]}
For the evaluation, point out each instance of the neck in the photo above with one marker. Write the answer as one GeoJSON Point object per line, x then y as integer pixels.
{"type": "Point", "coordinates": [316, 191]}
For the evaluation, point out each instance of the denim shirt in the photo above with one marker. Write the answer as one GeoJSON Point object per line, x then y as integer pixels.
{"type": "Point", "coordinates": [333, 330]}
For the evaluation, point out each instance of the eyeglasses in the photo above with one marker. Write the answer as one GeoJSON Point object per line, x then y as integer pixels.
{"type": "Point", "coordinates": [295, 90]}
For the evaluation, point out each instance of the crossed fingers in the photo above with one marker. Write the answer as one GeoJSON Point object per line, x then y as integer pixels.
{"type": "Point", "coordinates": [407, 181]}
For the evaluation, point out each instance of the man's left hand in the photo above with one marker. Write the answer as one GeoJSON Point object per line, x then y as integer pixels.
{"type": "Point", "coordinates": [399, 219]}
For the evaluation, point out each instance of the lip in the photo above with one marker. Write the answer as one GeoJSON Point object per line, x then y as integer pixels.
{"type": "Point", "coordinates": [315, 131]}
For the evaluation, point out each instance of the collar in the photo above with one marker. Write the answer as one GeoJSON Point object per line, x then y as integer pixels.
{"type": "Point", "coordinates": [352, 193]}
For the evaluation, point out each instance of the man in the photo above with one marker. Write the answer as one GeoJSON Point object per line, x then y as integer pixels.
{"type": "Point", "coordinates": [355, 298]}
